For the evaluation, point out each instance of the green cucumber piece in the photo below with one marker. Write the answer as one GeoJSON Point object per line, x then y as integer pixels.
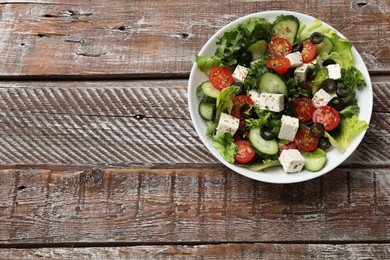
{"type": "Point", "coordinates": [272, 83]}
{"type": "Point", "coordinates": [285, 26]}
{"type": "Point", "coordinates": [258, 49]}
{"type": "Point", "coordinates": [265, 148]}
{"type": "Point", "coordinates": [207, 111]}
{"type": "Point", "coordinates": [315, 160]}
{"type": "Point", "coordinates": [207, 93]}
{"type": "Point", "coordinates": [326, 46]}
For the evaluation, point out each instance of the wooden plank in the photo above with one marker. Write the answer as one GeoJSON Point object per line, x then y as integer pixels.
{"type": "Point", "coordinates": [208, 205]}
{"type": "Point", "coordinates": [224, 251]}
{"type": "Point", "coordinates": [125, 124]}
{"type": "Point", "coordinates": [72, 38]}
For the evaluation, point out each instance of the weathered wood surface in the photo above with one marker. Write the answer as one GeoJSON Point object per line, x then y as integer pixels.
{"type": "Point", "coordinates": [208, 205]}
{"type": "Point", "coordinates": [126, 124]}
{"type": "Point", "coordinates": [224, 251]}
{"type": "Point", "coordinates": [127, 38]}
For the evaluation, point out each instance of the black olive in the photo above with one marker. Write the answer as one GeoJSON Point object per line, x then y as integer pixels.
{"type": "Point", "coordinates": [245, 111]}
{"type": "Point", "coordinates": [297, 46]}
{"type": "Point", "coordinates": [329, 85]}
{"type": "Point", "coordinates": [243, 132]}
{"type": "Point", "coordinates": [328, 62]}
{"type": "Point", "coordinates": [342, 91]}
{"type": "Point", "coordinates": [317, 130]}
{"type": "Point", "coordinates": [240, 90]}
{"type": "Point", "coordinates": [245, 58]}
{"type": "Point", "coordinates": [316, 38]}
{"type": "Point", "coordinates": [337, 103]}
{"type": "Point", "coordinates": [323, 143]}
{"type": "Point", "coordinates": [266, 133]}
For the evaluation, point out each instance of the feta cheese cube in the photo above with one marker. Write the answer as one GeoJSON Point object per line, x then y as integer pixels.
{"type": "Point", "coordinates": [300, 72]}
{"type": "Point", "coordinates": [240, 73]}
{"type": "Point", "coordinates": [255, 96]}
{"type": "Point", "coordinates": [289, 128]}
{"type": "Point", "coordinates": [292, 160]}
{"type": "Point", "coordinates": [295, 59]}
{"type": "Point", "coordinates": [334, 71]}
{"type": "Point", "coordinates": [271, 102]}
{"type": "Point", "coordinates": [227, 124]}
{"type": "Point", "coordinates": [321, 98]}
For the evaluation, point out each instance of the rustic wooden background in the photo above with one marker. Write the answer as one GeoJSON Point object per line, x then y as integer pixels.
{"type": "Point", "coordinates": [99, 158]}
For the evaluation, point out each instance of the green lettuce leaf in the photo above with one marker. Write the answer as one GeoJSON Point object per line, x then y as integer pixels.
{"type": "Point", "coordinates": [224, 101]}
{"type": "Point", "coordinates": [341, 52]}
{"type": "Point", "coordinates": [267, 163]}
{"type": "Point", "coordinates": [349, 128]}
{"type": "Point", "coordinates": [224, 143]}
{"type": "Point", "coordinates": [205, 64]}
{"type": "Point", "coordinates": [315, 26]}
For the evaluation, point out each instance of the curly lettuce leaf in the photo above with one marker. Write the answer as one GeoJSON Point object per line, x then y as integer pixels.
{"type": "Point", "coordinates": [265, 118]}
{"type": "Point", "coordinates": [224, 143]}
{"type": "Point", "coordinates": [353, 78]}
{"type": "Point", "coordinates": [306, 30]}
{"type": "Point", "coordinates": [349, 128]}
{"type": "Point", "coordinates": [232, 42]}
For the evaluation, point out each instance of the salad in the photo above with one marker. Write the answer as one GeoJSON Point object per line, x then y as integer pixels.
{"type": "Point", "coordinates": [280, 93]}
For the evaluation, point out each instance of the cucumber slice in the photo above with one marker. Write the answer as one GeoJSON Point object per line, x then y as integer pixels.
{"type": "Point", "coordinates": [326, 46]}
{"type": "Point", "coordinates": [207, 111]}
{"type": "Point", "coordinates": [272, 83]}
{"type": "Point", "coordinates": [285, 26]}
{"type": "Point", "coordinates": [258, 48]}
{"type": "Point", "coordinates": [209, 89]}
{"type": "Point", "coordinates": [315, 160]}
{"type": "Point", "coordinates": [207, 93]}
{"type": "Point", "coordinates": [263, 147]}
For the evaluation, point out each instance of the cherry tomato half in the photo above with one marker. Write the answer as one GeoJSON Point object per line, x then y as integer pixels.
{"type": "Point", "coordinates": [327, 116]}
{"type": "Point", "coordinates": [309, 51]}
{"type": "Point", "coordinates": [304, 108]}
{"type": "Point", "coordinates": [221, 77]}
{"type": "Point", "coordinates": [245, 152]}
{"type": "Point", "coordinates": [238, 102]}
{"type": "Point", "coordinates": [279, 47]}
{"type": "Point", "coordinates": [288, 146]}
{"type": "Point", "coordinates": [305, 141]}
{"type": "Point", "coordinates": [280, 64]}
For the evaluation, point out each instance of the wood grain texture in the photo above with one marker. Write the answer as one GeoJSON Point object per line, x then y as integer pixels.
{"type": "Point", "coordinates": [209, 205]}
{"type": "Point", "coordinates": [75, 38]}
{"type": "Point", "coordinates": [224, 251]}
{"type": "Point", "coordinates": [127, 124]}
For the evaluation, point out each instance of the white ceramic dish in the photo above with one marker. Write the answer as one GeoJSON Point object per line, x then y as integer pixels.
{"type": "Point", "coordinates": [276, 174]}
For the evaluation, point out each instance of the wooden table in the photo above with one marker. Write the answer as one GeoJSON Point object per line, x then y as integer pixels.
{"type": "Point", "coordinates": [99, 158]}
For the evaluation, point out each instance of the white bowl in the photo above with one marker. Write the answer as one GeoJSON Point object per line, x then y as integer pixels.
{"type": "Point", "coordinates": [276, 174]}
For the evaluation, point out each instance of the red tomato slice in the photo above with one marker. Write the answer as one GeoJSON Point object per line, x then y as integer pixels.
{"type": "Point", "coordinates": [327, 116]}
{"type": "Point", "coordinates": [221, 77]}
{"type": "Point", "coordinates": [280, 64]}
{"type": "Point", "coordinates": [245, 152]}
{"type": "Point", "coordinates": [238, 102]}
{"type": "Point", "coordinates": [305, 108]}
{"type": "Point", "coordinates": [309, 51]}
{"type": "Point", "coordinates": [288, 146]}
{"type": "Point", "coordinates": [242, 132]}
{"type": "Point", "coordinates": [305, 141]}
{"type": "Point", "coordinates": [279, 47]}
